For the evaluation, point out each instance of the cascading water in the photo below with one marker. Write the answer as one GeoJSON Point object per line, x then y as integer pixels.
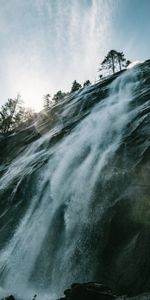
{"type": "Point", "coordinates": [74, 203]}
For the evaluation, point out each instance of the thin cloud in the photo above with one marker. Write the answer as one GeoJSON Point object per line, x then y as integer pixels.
{"type": "Point", "coordinates": [50, 43]}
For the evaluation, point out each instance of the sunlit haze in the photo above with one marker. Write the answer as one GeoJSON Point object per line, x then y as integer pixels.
{"type": "Point", "coordinates": [46, 44]}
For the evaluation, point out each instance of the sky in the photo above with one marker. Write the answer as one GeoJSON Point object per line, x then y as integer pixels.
{"type": "Point", "coordinates": [46, 44]}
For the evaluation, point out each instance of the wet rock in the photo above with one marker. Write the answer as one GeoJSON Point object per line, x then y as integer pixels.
{"type": "Point", "coordinates": [11, 297]}
{"type": "Point", "coordinates": [88, 291]}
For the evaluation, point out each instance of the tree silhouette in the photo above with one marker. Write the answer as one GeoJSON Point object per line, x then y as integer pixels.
{"type": "Point", "coordinates": [11, 114]}
{"type": "Point", "coordinates": [128, 62]}
{"type": "Point", "coordinates": [75, 86]}
{"type": "Point", "coordinates": [58, 96]}
{"type": "Point", "coordinates": [113, 61]}
{"type": "Point", "coordinates": [121, 59]}
{"type": "Point", "coordinates": [47, 101]}
{"type": "Point", "coordinates": [86, 83]}
{"type": "Point", "coordinates": [109, 61]}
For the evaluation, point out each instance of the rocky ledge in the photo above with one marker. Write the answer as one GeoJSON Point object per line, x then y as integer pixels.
{"type": "Point", "coordinates": [91, 291]}
{"type": "Point", "coordinates": [96, 291]}
{"type": "Point", "coordinates": [88, 291]}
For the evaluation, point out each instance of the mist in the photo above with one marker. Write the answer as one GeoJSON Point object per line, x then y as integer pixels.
{"type": "Point", "coordinates": [45, 45]}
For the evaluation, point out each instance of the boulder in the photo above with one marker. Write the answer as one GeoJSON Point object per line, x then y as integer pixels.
{"type": "Point", "coordinates": [88, 291]}
{"type": "Point", "coordinates": [11, 297]}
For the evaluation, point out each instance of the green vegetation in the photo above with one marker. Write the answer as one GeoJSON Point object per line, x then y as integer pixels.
{"type": "Point", "coordinates": [59, 96]}
{"type": "Point", "coordinates": [86, 83]}
{"type": "Point", "coordinates": [128, 62]}
{"type": "Point", "coordinates": [114, 61]}
{"type": "Point", "coordinates": [47, 102]}
{"type": "Point", "coordinates": [75, 86]}
{"type": "Point", "coordinates": [13, 115]}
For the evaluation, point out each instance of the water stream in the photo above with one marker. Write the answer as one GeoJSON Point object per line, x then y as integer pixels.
{"type": "Point", "coordinates": [76, 209]}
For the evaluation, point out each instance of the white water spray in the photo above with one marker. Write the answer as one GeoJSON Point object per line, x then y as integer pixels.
{"type": "Point", "coordinates": [45, 242]}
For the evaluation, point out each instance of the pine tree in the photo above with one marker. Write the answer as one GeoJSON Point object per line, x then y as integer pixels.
{"type": "Point", "coordinates": [75, 86]}
{"type": "Point", "coordinates": [114, 61]}
{"type": "Point", "coordinates": [86, 83]}
{"type": "Point", "coordinates": [47, 102]}
{"type": "Point", "coordinates": [128, 62]}
{"type": "Point", "coordinates": [110, 60]}
{"type": "Point", "coordinates": [121, 59]}
{"type": "Point", "coordinates": [59, 96]}
{"type": "Point", "coordinates": [10, 112]}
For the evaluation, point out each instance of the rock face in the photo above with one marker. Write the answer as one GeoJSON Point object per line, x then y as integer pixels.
{"type": "Point", "coordinates": [88, 291]}
{"type": "Point", "coordinates": [91, 291]}
{"type": "Point", "coordinates": [11, 297]}
{"type": "Point", "coordinates": [74, 202]}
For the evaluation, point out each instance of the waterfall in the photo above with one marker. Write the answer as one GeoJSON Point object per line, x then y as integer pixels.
{"type": "Point", "coordinates": [61, 197]}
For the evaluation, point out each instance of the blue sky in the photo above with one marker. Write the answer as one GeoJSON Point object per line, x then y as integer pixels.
{"type": "Point", "coordinates": [46, 44]}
